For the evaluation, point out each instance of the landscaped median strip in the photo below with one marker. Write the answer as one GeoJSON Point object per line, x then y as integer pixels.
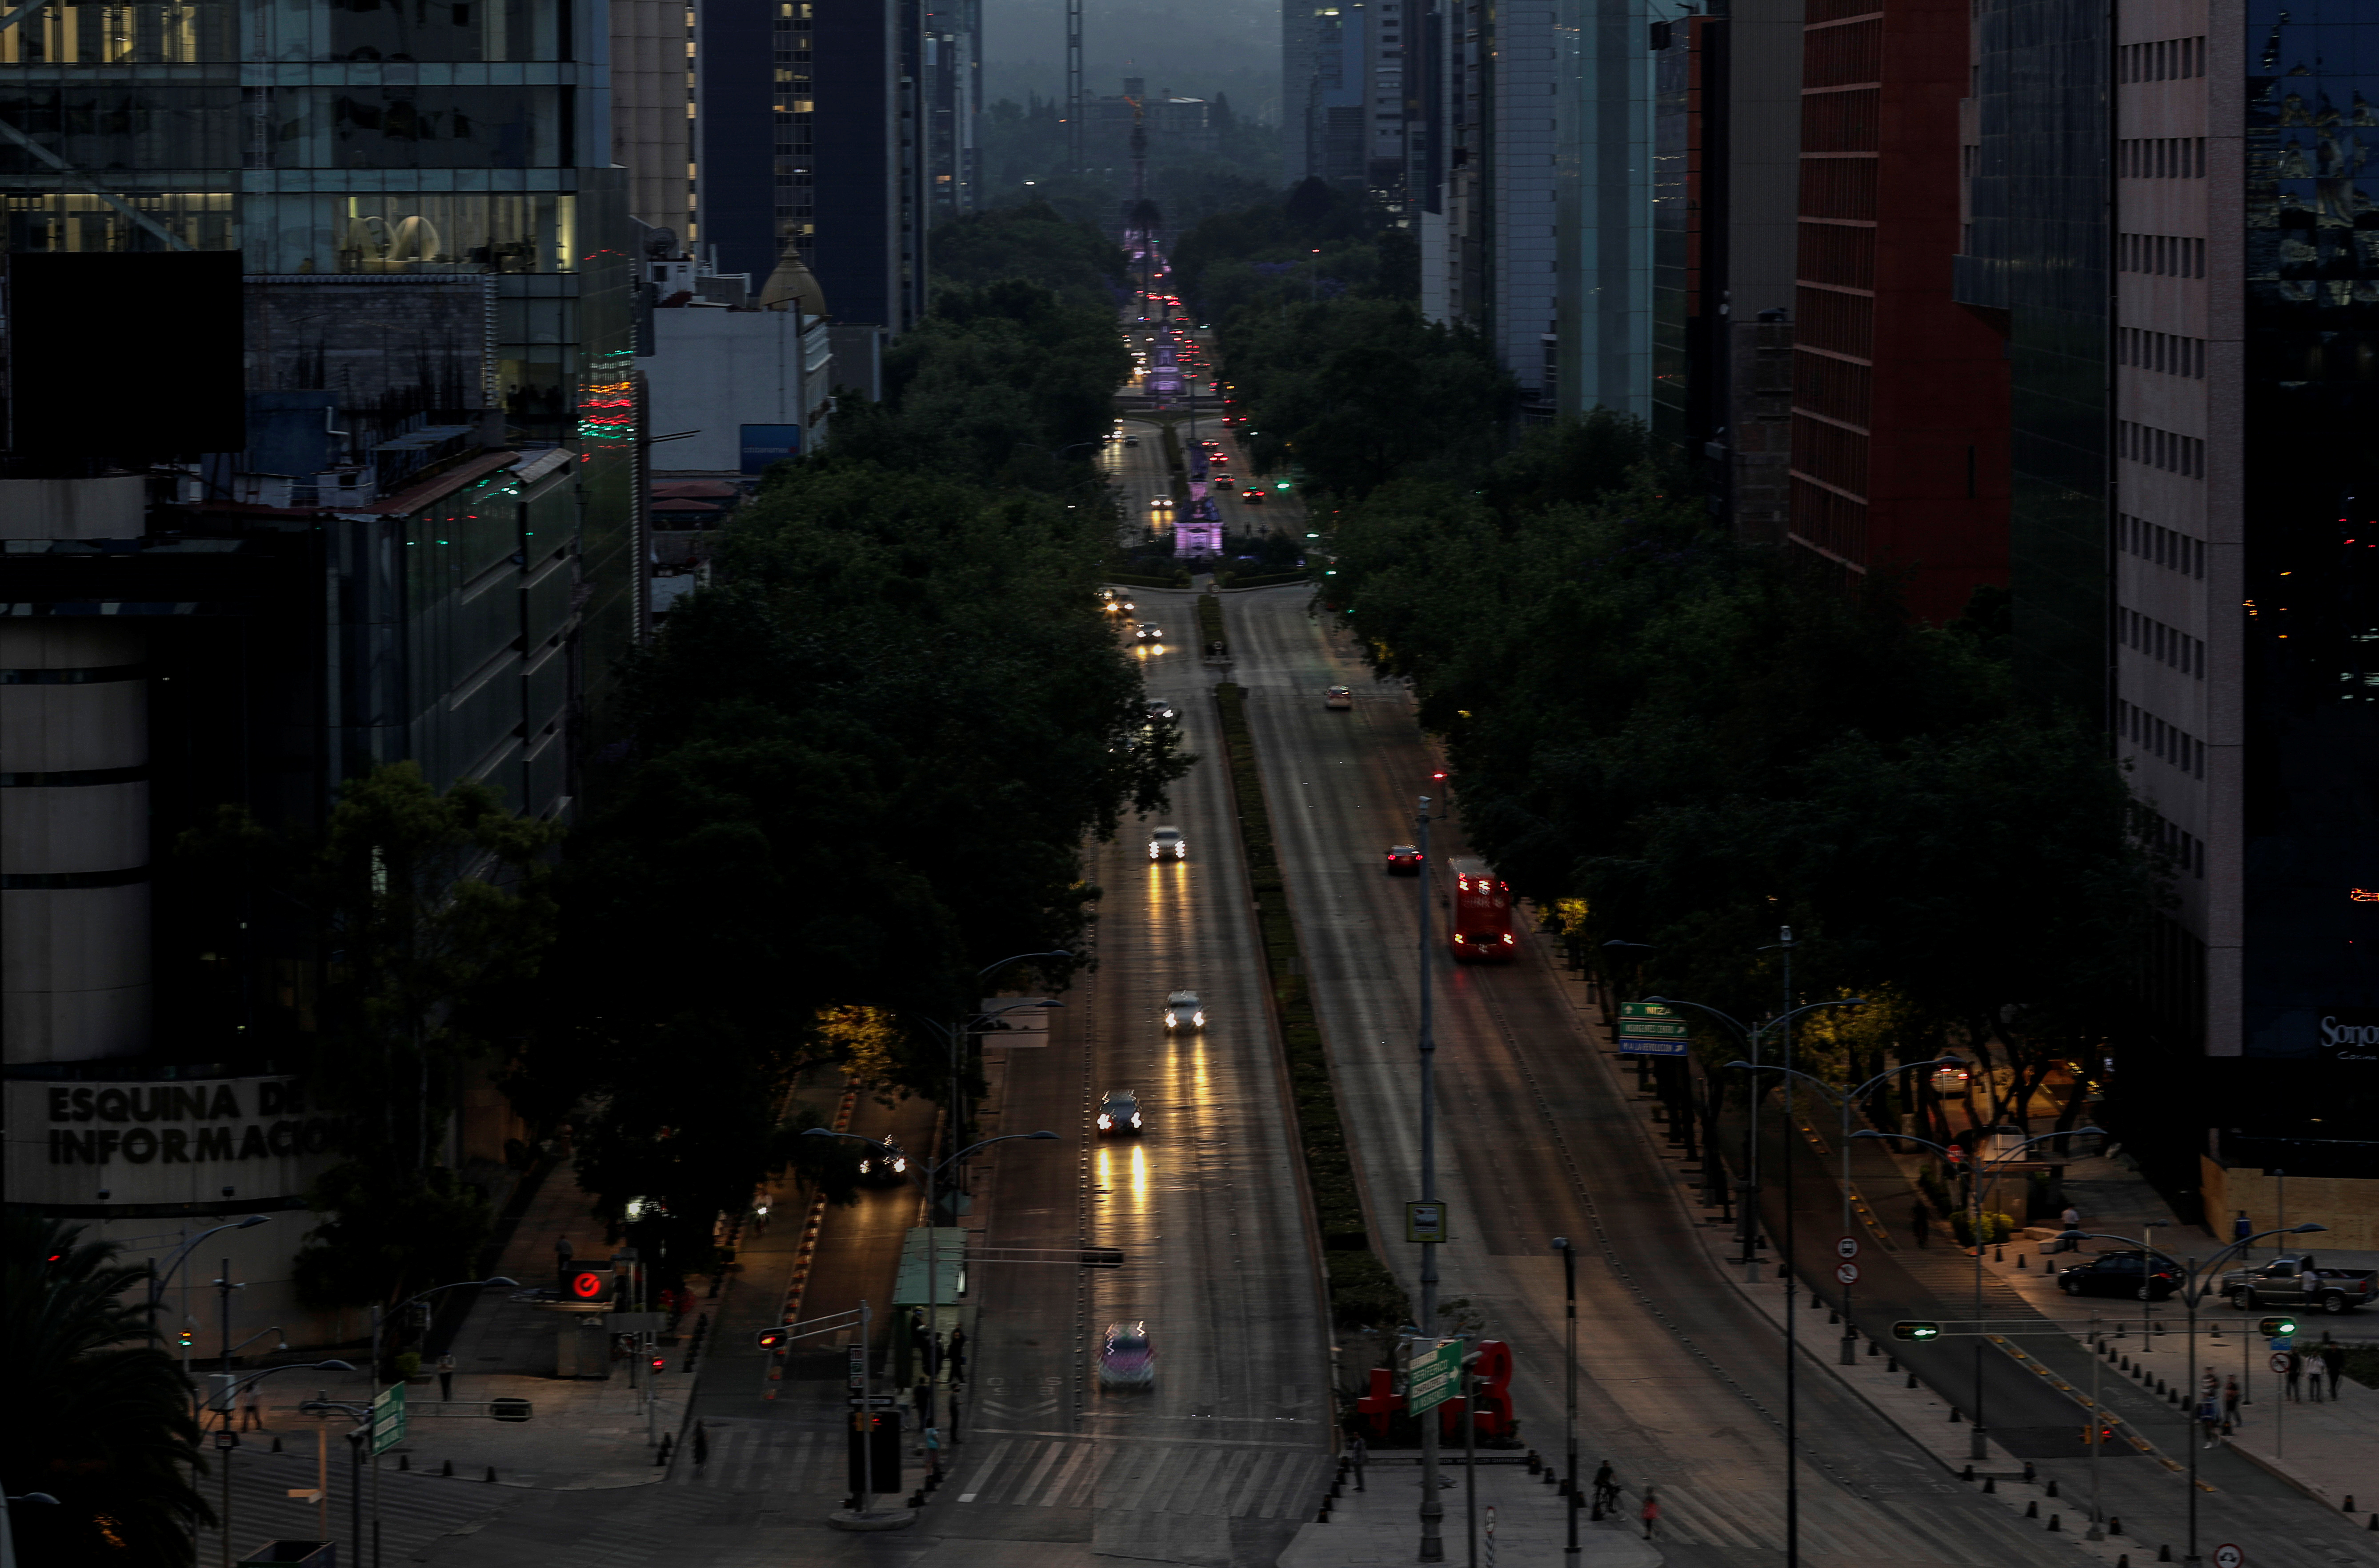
{"type": "Point", "coordinates": [1361, 1289]}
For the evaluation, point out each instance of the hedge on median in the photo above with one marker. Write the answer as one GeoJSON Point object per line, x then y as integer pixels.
{"type": "Point", "coordinates": [1362, 1291]}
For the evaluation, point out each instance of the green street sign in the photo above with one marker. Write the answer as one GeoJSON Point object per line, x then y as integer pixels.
{"type": "Point", "coordinates": [1436, 1376]}
{"type": "Point", "coordinates": [388, 1418]}
{"type": "Point", "coordinates": [1652, 1029]}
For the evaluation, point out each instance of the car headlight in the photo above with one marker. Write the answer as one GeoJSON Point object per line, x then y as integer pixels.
{"type": "Point", "coordinates": [1200, 1020]}
{"type": "Point", "coordinates": [1106, 1122]}
{"type": "Point", "coordinates": [900, 1166]}
{"type": "Point", "coordinates": [1508, 939]}
{"type": "Point", "coordinates": [1170, 1020]}
{"type": "Point", "coordinates": [1135, 1119]}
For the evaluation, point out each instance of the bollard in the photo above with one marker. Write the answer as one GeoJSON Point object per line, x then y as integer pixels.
{"type": "Point", "coordinates": [2029, 1474]}
{"type": "Point", "coordinates": [2374, 1523]}
{"type": "Point", "coordinates": [492, 1473]}
{"type": "Point", "coordinates": [1891, 1363]}
{"type": "Point", "coordinates": [1912, 1379]}
{"type": "Point", "coordinates": [447, 1468]}
{"type": "Point", "coordinates": [1970, 1473]}
{"type": "Point", "coordinates": [1322, 1518]}
{"type": "Point", "coordinates": [1954, 1417]}
{"type": "Point", "coordinates": [2115, 1525]}
{"type": "Point", "coordinates": [2052, 1486]}
{"type": "Point", "coordinates": [1873, 1349]}
{"type": "Point", "coordinates": [2350, 1504]}
{"type": "Point", "coordinates": [276, 1448]}
{"type": "Point", "coordinates": [2019, 1263]}
{"type": "Point", "coordinates": [2032, 1508]}
{"type": "Point", "coordinates": [2052, 1521]}
{"type": "Point", "coordinates": [1991, 1485]}
{"type": "Point", "coordinates": [2164, 1553]}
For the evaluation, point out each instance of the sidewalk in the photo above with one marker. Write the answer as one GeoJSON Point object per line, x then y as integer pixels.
{"type": "Point", "coordinates": [1382, 1523]}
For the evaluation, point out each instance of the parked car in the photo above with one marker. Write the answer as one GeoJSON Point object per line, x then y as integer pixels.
{"type": "Point", "coordinates": [1119, 1114]}
{"type": "Point", "coordinates": [2134, 1275]}
{"type": "Point", "coordinates": [1125, 1358]}
{"type": "Point", "coordinates": [2295, 1280]}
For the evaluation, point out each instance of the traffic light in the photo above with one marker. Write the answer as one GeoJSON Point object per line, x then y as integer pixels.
{"type": "Point", "coordinates": [769, 1339]}
{"type": "Point", "coordinates": [2276, 1328]}
{"type": "Point", "coordinates": [1916, 1331]}
{"type": "Point", "coordinates": [185, 1339]}
{"type": "Point", "coordinates": [1101, 1258]}
{"type": "Point", "coordinates": [874, 1454]}
{"type": "Point", "coordinates": [660, 1363]}
{"type": "Point", "coordinates": [1280, 484]}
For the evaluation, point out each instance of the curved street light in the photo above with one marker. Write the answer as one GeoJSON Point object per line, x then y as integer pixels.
{"type": "Point", "coordinates": [1844, 1098]}
{"type": "Point", "coordinates": [1978, 1438]}
{"type": "Point", "coordinates": [227, 1440]}
{"type": "Point", "coordinates": [158, 1277]}
{"type": "Point", "coordinates": [2192, 1292]}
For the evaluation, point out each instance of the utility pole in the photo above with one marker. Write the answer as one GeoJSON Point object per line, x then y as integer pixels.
{"type": "Point", "coordinates": [1432, 1511]}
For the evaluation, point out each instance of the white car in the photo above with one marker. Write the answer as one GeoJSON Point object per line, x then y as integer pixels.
{"type": "Point", "coordinates": [1182, 1010]}
{"type": "Point", "coordinates": [1166, 844]}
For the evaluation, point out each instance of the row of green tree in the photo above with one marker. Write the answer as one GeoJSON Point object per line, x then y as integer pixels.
{"type": "Point", "coordinates": [1680, 740]}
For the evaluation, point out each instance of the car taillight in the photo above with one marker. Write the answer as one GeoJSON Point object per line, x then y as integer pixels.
{"type": "Point", "coordinates": [1507, 939]}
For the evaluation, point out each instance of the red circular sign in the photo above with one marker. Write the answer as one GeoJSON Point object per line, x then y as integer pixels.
{"type": "Point", "coordinates": [588, 1286]}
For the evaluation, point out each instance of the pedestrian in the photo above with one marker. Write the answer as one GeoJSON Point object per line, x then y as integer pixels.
{"type": "Point", "coordinates": [701, 1445]}
{"type": "Point", "coordinates": [2333, 1364]}
{"type": "Point", "coordinates": [2313, 1383]}
{"type": "Point", "coordinates": [1651, 1512]}
{"type": "Point", "coordinates": [2230, 1402]}
{"type": "Point", "coordinates": [251, 1408]}
{"type": "Point", "coordinates": [445, 1377]}
{"type": "Point", "coordinates": [2209, 1421]}
{"type": "Point", "coordinates": [1606, 1487]}
{"type": "Point", "coordinates": [934, 1451]}
{"type": "Point", "coordinates": [2241, 1228]}
{"type": "Point", "coordinates": [1920, 1221]}
{"type": "Point", "coordinates": [958, 1355]}
{"type": "Point", "coordinates": [2072, 1218]}
{"type": "Point", "coordinates": [2294, 1373]}
{"type": "Point", "coordinates": [1360, 1451]}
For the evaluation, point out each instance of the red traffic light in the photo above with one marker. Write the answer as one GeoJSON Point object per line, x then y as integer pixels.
{"type": "Point", "coordinates": [1438, 776]}
{"type": "Point", "coordinates": [660, 1363]}
{"type": "Point", "coordinates": [588, 1286]}
{"type": "Point", "coordinates": [770, 1339]}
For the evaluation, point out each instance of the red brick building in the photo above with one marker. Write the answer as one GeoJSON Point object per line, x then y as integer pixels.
{"type": "Point", "coordinates": [1900, 397]}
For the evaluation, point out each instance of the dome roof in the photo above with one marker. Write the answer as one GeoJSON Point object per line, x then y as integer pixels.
{"type": "Point", "coordinates": [792, 284]}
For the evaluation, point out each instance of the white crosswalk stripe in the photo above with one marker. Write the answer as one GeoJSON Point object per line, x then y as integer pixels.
{"type": "Point", "coordinates": [416, 1509]}
{"type": "Point", "coordinates": [1202, 1479]}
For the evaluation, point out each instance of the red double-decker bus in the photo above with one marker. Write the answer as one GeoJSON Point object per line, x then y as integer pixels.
{"type": "Point", "coordinates": [1482, 914]}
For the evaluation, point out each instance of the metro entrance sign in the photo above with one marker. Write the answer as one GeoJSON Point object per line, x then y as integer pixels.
{"type": "Point", "coordinates": [1651, 1029]}
{"type": "Point", "coordinates": [1436, 1376]}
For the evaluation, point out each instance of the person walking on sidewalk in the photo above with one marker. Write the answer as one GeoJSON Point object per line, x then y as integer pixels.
{"type": "Point", "coordinates": [445, 1379]}
{"type": "Point", "coordinates": [251, 1408]}
{"type": "Point", "coordinates": [2072, 1218]}
{"type": "Point", "coordinates": [2241, 1228]}
{"type": "Point", "coordinates": [2333, 1364]}
{"type": "Point", "coordinates": [1651, 1512]}
{"type": "Point", "coordinates": [1920, 1221]}
{"type": "Point", "coordinates": [2230, 1402]}
{"type": "Point", "coordinates": [2312, 1383]}
{"type": "Point", "coordinates": [2209, 1421]}
{"type": "Point", "coordinates": [2296, 1374]}
{"type": "Point", "coordinates": [958, 1355]}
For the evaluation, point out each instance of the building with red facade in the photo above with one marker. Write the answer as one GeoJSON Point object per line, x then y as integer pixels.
{"type": "Point", "coordinates": [1900, 395]}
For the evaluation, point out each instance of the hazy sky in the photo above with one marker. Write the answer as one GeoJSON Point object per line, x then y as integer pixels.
{"type": "Point", "coordinates": [1196, 49]}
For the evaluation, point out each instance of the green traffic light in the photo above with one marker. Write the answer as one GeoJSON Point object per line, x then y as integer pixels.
{"type": "Point", "coordinates": [2277, 1328]}
{"type": "Point", "coordinates": [1916, 1331]}
{"type": "Point", "coordinates": [1280, 484]}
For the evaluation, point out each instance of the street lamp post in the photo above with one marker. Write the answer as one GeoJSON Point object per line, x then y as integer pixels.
{"type": "Point", "coordinates": [1569, 1403]}
{"type": "Point", "coordinates": [1783, 1022]}
{"type": "Point", "coordinates": [2193, 1288]}
{"type": "Point", "coordinates": [1978, 1439]}
{"type": "Point", "coordinates": [1845, 1099]}
{"type": "Point", "coordinates": [932, 1259]}
{"type": "Point", "coordinates": [379, 1318]}
{"type": "Point", "coordinates": [1432, 1511]}
{"type": "Point", "coordinates": [227, 1440]}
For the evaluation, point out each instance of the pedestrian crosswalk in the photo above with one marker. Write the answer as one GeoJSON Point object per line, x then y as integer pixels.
{"type": "Point", "coordinates": [415, 1509]}
{"type": "Point", "coordinates": [1913, 1526]}
{"type": "Point", "coordinates": [1207, 1478]}
{"type": "Point", "coordinates": [773, 1455]}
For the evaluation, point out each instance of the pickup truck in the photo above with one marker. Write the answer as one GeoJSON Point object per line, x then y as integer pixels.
{"type": "Point", "coordinates": [2297, 1281]}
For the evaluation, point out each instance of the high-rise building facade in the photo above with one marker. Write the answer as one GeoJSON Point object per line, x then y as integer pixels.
{"type": "Point", "coordinates": [1900, 392]}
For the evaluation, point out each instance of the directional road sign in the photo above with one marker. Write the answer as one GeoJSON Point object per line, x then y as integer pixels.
{"type": "Point", "coordinates": [388, 1418]}
{"type": "Point", "coordinates": [1651, 1029]}
{"type": "Point", "coordinates": [1846, 1248]}
{"type": "Point", "coordinates": [1436, 1376]}
{"type": "Point", "coordinates": [1846, 1272]}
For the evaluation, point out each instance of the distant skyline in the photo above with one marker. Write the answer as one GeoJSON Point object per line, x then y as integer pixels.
{"type": "Point", "coordinates": [1228, 46]}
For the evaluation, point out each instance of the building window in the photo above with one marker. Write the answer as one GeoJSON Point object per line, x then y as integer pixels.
{"type": "Point", "coordinates": [2167, 450]}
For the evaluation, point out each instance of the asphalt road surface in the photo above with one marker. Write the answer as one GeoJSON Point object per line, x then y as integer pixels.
{"type": "Point", "coordinates": [1681, 1385]}
{"type": "Point", "coordinates": [1221, 1461]}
